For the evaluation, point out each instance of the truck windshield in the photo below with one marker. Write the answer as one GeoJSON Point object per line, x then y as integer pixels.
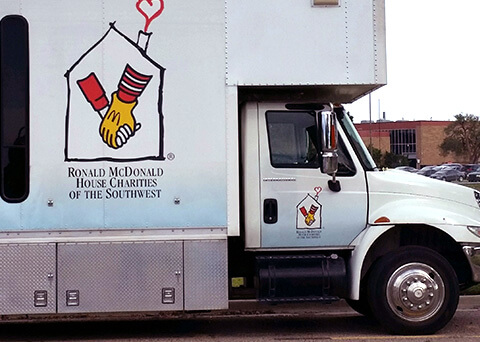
{"type": "Point", "coordinates": [354, 138]}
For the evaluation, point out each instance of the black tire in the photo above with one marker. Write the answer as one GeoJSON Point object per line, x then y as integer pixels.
{"type": "Point", "coordinates": [413, 290]}
{"type": "Point", "coordinates": [460, 179]}
{"type": "Point", "coordinates": [361, 306]}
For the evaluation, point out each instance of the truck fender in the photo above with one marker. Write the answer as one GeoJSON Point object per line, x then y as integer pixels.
{"type": "Point", "coordinates": [365, 240]}
{"type": "Point", "coordinates": [362, 244]}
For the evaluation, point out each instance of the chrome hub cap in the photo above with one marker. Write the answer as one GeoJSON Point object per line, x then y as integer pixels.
{"type": "Point", "coordinates": [415, 292]}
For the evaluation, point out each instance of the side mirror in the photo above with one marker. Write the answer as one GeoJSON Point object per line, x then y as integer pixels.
{"type": "Point", "coordinates": [328, 130]}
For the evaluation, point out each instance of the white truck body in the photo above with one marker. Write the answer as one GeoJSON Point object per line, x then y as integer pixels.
{"type": "Point", "coordinates": [162, 143]}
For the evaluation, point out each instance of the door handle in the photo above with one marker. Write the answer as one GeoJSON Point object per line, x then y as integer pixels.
{"type": "Point", "coordinates": [270, 210]}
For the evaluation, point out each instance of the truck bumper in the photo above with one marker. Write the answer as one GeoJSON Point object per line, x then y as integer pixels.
{"type": "Point", "coordinates": [472, 252]}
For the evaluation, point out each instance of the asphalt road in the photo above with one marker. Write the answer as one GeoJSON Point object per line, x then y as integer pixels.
{"type": "Point", "coordinates": [246, 321]}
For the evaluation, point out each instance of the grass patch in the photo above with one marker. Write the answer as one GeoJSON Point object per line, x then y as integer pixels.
{"type": "Point", "coordinates": [475, 186]}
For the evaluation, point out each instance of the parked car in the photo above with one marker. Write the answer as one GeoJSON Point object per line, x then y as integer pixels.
{"type": "Point", "coordinates": [474, 176]}
{"type": "Point", "coordinates": [467, 168]}
{"type": "Point", "coordinates": [449, 175]}
{"type": "Point", "coordinates": [428, 170]}
{"type": "Point", "coordinates": [454, 166]}
{"type": "Point", "coordinates": [406, 168]}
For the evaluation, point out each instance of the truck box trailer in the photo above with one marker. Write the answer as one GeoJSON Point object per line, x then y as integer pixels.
{"type": "Point", "coordinates": [164, 156]}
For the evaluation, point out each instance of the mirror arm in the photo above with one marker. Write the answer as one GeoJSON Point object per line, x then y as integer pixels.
{"type": "Point", "coordinates": [334, 185]}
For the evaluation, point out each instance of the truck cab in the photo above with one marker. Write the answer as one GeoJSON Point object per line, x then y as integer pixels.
{"type": "Point", "coordinates": [404, 242]}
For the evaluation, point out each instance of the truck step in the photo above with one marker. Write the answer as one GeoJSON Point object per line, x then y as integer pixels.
{"type": "Point", "coordinates": [322, 299]}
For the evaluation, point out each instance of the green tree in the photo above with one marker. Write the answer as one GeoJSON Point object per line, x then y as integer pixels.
{"type": "Point", "coordinates": [392, 160]}
{"type": "Point", "coordinates": [387, 159]}
{"type": "Point", "coordinates": [463, 138]}
{"type": "Point", "coordinates": [376, 155]}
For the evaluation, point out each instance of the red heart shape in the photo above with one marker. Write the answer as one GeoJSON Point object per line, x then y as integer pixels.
{"type": "Point", "coordinates": [150, 9]}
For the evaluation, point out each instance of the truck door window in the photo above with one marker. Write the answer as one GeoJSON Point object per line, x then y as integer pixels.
{"type": "Point", "coordinates": [293, 142]}
{"type": "Point", "coordinates": [292, 139]}
{"type": "Point", "coordinates": [14, 108]}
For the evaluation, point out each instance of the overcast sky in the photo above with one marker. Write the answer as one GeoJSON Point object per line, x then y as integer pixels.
{"type": "Point", "coordinates": [433, 62]}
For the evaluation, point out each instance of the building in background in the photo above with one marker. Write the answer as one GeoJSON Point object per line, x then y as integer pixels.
{"type": "Point", "coordinates": [419, 141]}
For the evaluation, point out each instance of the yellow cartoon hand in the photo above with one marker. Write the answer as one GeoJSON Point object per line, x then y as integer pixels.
{"type": "Point", "coordinates": [119, 124]}
{"type": "Point", "coordinates": [310, 219]}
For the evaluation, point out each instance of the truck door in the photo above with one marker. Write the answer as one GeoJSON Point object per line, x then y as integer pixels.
{"type": "Point", "coordinates": [297, 207]}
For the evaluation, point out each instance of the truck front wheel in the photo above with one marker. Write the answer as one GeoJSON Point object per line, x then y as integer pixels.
{"type": "Point", "coordinates": [413, 290]}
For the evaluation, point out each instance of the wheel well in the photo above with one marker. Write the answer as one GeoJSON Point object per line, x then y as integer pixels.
{"type": "Point", "coordinates": [420, 235]}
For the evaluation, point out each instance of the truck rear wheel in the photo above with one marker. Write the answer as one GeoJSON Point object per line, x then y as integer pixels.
{"type": "Point", "coordinates": [413, 290]}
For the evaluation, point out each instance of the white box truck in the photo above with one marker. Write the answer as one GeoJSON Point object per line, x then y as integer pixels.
{"type": "Point", "coordinates": [155, 152]}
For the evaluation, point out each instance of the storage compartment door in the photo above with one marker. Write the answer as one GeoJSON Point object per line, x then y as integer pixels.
{"type": "Point", "coordinates": [27, 285]}
{"type": "Point", "coordinates": [114, 277]}
{"type": "Point", "coordinates": [206, 276]}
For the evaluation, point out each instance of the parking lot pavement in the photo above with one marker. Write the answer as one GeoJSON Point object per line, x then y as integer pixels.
{"type": "Point", "coordinates": [252, 307]}
{"type": "Point", "coordinates": [237, 308]}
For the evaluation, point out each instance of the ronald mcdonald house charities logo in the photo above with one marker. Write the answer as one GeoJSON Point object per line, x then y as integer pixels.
{"type": "Point", "coordinates": [114, 105]}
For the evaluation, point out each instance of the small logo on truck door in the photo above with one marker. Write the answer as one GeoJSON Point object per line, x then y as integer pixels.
{"type": "Point", "coordinates": [309, 211]}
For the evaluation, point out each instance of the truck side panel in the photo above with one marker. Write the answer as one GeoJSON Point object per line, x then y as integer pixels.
{"type": "Point", "coordinates": [170, 172]}
{"type": "Point", "coordinates": [277, 42]}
